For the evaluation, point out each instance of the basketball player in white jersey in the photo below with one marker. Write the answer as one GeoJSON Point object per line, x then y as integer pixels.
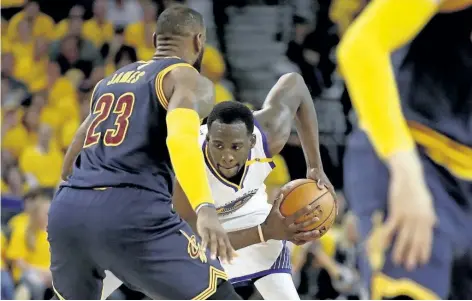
{"type": "Point", "coordinates": [238, 146]}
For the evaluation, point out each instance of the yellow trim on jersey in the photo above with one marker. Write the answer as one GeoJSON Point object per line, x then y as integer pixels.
{"type": "Point", "coordinates": [215, 274]}
{"type": "Point", "coordinates": [160, 79]}
{"type": "Point", "coordinates": [57, 293]}
{"type": "Point", "coordinates": [259, 160]}
{"type": "Point", "coordinates": [91, 97]}
{"type": "Point", "coordinates": [456, 157]}
{"type": "Point", "coordinates": [383, 286]}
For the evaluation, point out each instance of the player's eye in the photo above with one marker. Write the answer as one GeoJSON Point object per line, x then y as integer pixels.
{"type": "Point", "coordinates": [219, 146]}
{"type": "Point", "coordinates": [236, 147]}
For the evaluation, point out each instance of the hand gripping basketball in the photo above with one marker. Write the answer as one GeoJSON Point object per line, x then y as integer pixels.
{"type": "Point", "coordinates": [278, 227]}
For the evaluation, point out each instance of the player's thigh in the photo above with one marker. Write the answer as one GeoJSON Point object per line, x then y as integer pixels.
{"type": "Point", "coordinates": [74, 274]}
{"type": "Point", "coordinates": [277, 286]}
{"type": "Point", "coordinates": [366, 185]}
{"type": "Point", "coordinates": [170, 266]}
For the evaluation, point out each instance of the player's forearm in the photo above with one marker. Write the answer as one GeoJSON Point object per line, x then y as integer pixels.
{"type": "Point", "coordinates": [74, 149]}
{"type": "Point", "coordinates": [364, 58]}
{"type": "Point", "coordinates": [187, 159]}
{"type": "Point", "coordinates": [307, 127]}
{"type": "Point", "coordinates": [244, 238]}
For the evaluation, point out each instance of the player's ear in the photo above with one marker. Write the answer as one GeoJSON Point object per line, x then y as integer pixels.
{"type": "Point", "coordinates": [154, 39]}
{"type": "Point", "coordinates": [198, 42]}
{"type": "Point", "coordinates": [253, 140]}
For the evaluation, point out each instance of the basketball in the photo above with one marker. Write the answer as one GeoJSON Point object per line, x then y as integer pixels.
{"type": "Point", "coordinates": [302, 192]}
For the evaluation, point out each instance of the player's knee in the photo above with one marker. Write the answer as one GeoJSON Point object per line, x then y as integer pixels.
{"type": "Point", "coordinates": [225, 291]}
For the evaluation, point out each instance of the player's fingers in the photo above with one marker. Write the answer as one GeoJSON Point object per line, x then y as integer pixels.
{"type": "Point", "coordinates": [389, 229]}
{"type": "Point", "coordinates": [308, 235]}
{"type": "Point", "coordinates": [213, 245]}
{"type": "Point", "coordinates": [230, 250]}
{"type": "Point", "coordinates": [308, 210]}
{"type": "Point", "coordinates": [302, 225]}
{"type": "Point", "coordinates": [427, 246]}
{"type": "Point", "coordinates": [205, 238]}
{"type": "Point", "coordinates": [222, 250]}
{"type": "Point", "coordinates": [402, 242]}
{"type": "Point", "coordinates": [416, 244]}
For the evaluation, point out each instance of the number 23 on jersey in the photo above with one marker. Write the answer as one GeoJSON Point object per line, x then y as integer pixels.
{"type": "Point", "coordinates": [122, 110]}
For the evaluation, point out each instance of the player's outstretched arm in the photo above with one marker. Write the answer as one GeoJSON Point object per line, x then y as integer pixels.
{"type": "Point", "coordinates": [74, 148]}
{"type": "Point", "coordinates": [275, 227]}
{"type": "Point", "coordinates": [288, 101]}
{"type": "Point", "coordinates": [191, 96]}
{"type": "Point", "coordinates": [364, 60]}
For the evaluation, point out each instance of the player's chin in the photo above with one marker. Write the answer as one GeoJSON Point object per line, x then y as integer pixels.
{"type": "Point", "coordinates": [228, 172]}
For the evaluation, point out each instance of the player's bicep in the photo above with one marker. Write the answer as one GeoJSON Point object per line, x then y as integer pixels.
{"type": "Point", "coordinates": [276, 117]}
{"type": "Point", "coordinates": [182, 206]}
{"type": "Point", "coordinates": [75, 147]}
{"type": "Point", "coordinates": [391, 24]}
{"type": "Point", "coordinates": [190, 90]}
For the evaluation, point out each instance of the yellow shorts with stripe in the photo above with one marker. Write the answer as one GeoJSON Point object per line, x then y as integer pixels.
{"type": "Point", "coordinates": [449, 178]}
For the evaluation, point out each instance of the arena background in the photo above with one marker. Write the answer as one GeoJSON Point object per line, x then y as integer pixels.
{"type": "Point", "coordinates": [52, 58]}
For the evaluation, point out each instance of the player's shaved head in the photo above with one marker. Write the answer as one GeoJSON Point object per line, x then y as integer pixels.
{"type": "Point", "coordinates": [180, 32]}
{"type": "Point", "coordinates": [180, 20]}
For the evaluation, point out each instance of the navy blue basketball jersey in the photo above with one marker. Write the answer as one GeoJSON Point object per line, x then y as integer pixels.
{"type": "Point", "coordinates": [434, 75]}
{"type": "Point", "coordinates": [126, 140]}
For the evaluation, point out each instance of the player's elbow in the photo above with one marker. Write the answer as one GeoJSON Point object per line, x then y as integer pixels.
{"type": "Point", "coordinates": [292, 79]}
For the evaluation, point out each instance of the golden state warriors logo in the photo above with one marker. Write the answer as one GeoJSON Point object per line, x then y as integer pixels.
{"type": "Point", "coordinates": [194, 248]}
{"type": "Point", "coordinates": [236, 204]}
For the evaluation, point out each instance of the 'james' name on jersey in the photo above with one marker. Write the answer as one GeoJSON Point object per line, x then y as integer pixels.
{"type": "Point", "coordinates": [126, 141]}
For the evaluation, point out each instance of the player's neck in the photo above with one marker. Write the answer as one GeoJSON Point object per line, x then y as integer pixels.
{"type": "Point", "coordinates": [169, 48]}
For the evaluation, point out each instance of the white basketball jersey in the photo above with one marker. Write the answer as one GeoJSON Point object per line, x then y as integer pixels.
{"type": "Point", "coordinates": [242, 205]}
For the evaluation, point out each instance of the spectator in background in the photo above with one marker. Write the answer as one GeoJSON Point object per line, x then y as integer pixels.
{"type": "Point", "coordinates": [8, 288]}
{"type": "Point", "coordinates": [98, 29]}
{"type": "Point", "coordinates": [13, 92]}
{"type": "Point", "coordinates": [124, 12]}
{"type": "Point", "coordinates": [32, 69]}
{"type": "Point", "coordinates": [117, 54]}
{"type": "Point", "coordinates": [13, 182]}
{"type": "Point", "coordinates": [42, 163]}
{"type": "Point", "coordinates": [213, 67]}
{"type": "Point", "coordinates": [139, 34]}
{"type": "Point", "coordinates": [74, 52]}
{"type": "Point", "coordinates": [342, 13]}
{"type": "Point", "coordinates": [75, 13]}
{"type": "Point", "coordinates": [62, 95]}
{"type": "Point", "coordinates": [23, 42]}
{"type": "Point", "coordinates": [29, 252]}
{"type": "Point", "coordinates": [41, 24]}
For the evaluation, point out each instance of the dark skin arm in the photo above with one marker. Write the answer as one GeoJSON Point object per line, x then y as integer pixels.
{"type": "Point", "coordinates": [74, 148]}
{"type": "Point", "coordinates": [275, 226]}
{"type": "Point", "coordinates": [288, 101]}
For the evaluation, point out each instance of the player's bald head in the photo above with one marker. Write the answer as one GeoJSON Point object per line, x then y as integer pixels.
{"type": "Point", "coordinates": [180, 20]}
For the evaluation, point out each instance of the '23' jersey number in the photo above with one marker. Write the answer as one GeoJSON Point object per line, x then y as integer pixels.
{"type": "Point", "coordinates": [122, 109]}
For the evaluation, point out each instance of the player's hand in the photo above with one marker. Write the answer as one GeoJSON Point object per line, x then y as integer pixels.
{"type": "Point", "coordinates": [411, 215]}
{"type": "Point", "coordinates": [318, 175]}
{"type": "Point", "coordinates": [213, 235]}
{"type": "Point", "coordinates": [278, 227]}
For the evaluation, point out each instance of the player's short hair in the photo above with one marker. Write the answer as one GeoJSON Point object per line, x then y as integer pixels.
{"type": "Point", "coordinates": [230, 112]}
{"type": "Point", "coordinates": [179, 20]}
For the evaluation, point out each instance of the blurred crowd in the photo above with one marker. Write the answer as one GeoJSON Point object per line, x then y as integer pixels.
{"type": "Point", "coordinates": [54, 52]}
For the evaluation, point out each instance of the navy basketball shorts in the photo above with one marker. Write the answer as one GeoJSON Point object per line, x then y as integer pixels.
{"type": "Point", "coordinates": [133, 233]}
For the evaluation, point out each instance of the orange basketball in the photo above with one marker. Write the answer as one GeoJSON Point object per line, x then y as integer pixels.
{"type": "Point", "coordinates": [302, 192]}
